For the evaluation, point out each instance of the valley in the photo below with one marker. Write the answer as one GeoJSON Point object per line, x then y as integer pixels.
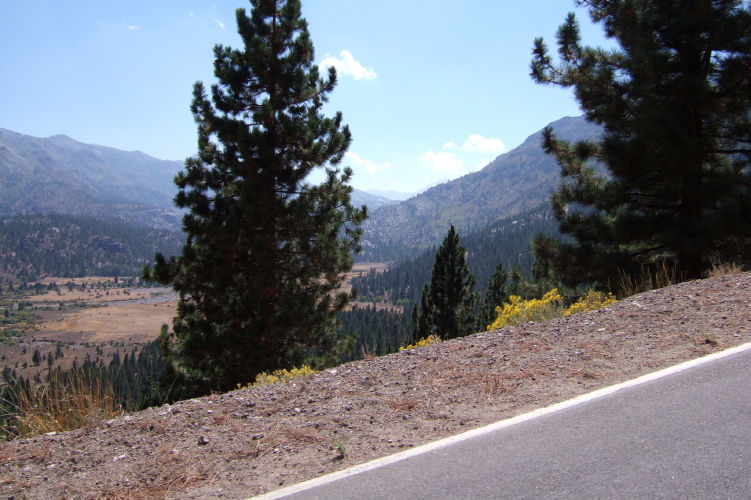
{"type": "Point", "coordinates": [257, 439]}
{"type": "Point", "coordinates": [58, 322]}
{"type": "Point", "coordinates": [98, 316]}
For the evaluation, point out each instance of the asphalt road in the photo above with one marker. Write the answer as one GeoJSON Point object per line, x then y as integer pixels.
{"type": "Point", "coordinates": [687, 435]}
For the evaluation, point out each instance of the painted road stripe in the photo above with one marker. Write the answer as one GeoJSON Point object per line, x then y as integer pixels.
{"type": "Point", "coordinates": [436, 445]}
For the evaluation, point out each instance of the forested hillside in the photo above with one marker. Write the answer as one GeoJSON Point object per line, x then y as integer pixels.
{"type": "Point", "coordinates": [506, 242]}
{"type": "Point", "coordinates": [511, 184]}
{"type": "Point", "coordinates": [34, 246]}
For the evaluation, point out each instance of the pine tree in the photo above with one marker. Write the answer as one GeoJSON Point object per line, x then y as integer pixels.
{"type": "Point", "coordinates": [674, 101]}
{"type": "Point", "coordinates": [448, 303]}
{"type": "Point", "coordinates": [495, 296]}
{"type": "Point", "coordinates": [266, 249]}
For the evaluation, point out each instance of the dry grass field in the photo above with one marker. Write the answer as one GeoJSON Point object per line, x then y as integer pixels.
{"type": "Point", "coordinates": [363, 269]}
{"type": "Point", "coordinates": [102, 317]}
{"type": "Point", "coordinates": [120, 314]}
{"type": "Point", "coordinates": [128, 322]}
{"type": "Point", "coordinates": [98, 290]}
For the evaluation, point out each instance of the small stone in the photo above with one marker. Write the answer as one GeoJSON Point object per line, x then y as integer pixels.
{"type": "Point", "coordinates": [202, 441]}
{"type": "Point", "coordinates": [256, 437]}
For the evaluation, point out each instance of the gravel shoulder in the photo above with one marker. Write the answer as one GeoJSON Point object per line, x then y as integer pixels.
{"type": "Point", "coordinates": [255, 440]}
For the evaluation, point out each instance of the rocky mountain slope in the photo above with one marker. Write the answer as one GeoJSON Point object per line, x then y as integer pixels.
{"type": "Point", "coordinates": [35, 246]}
{"type": "Point", "coordinates": [60, 175]}
{"type": "Point", "coordinates": [373, 201]}
{"type": "Point", "coordinates": [516, 181]}
{"type": "Point", "coordinates": [259, 439]}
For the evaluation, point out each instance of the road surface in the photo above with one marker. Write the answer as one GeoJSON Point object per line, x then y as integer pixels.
{"type": "Point", "coordinates": [686, 435]}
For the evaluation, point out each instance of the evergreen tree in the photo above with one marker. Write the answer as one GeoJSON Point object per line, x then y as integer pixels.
{"type": "Point", "coordinates": [265, 248]}
{"type": "Point", "coordinates": [495, 296]}
{"type": "Point", "coordinates": [448, 304]}
{"type": "Point", "coordinates": [673, 99]}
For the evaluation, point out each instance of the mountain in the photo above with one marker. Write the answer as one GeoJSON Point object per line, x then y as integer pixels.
{"type": "Point", "coordinates": [514, 182]}
{"type": "Point", "coordinates": [373, 201]}
{"type": "Point", "coordinates": [61, 175]}
{"type": "Point", "coordinates": [35, 246]}
{"type": "Point", "coordinates": [392, 195]}
{"type": "Point", "coordinates": [505, 241]}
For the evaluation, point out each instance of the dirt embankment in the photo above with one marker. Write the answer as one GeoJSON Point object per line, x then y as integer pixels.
{"type": "Point", "coordinates": [255, 440]}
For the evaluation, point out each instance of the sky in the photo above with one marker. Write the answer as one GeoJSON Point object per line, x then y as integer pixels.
{"type": "Point", "coordinates": [431, 90]}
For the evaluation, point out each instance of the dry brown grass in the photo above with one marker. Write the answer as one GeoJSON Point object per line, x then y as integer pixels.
{"type": "Point", "coordinates": [89, 295]}
{"type": "Point", "coordinates": [494, 384]}
{"type": "Point", "coordinates": [403, 404]}
{"type": "Point", "coordinates": [663, 276]}
{"type": "Point", "coordinates": [173, 472]}
{"type": "Point", "coordinates": [135, 322]}
{"type": "Point", "coordinates": [587, 374]}
{"type": "Point", "coordinates": [722, 269]}
{"type": "Point", "coordinates": [589, 350]}
{"type": "Point", "coordinates": [82, 403]}
{"type": "Point", "coordinates": [293, 435]}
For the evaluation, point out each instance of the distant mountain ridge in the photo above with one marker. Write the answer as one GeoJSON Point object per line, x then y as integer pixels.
{"type": "Point", "coordinates": [514, 182]}
{"type": "Point", "coordinates": [35, 246]}
{"type": "Point", "coordinates": [373, 201]}
{"type": "Point", "coordinates": [391, 194]}
{"type": "Point", "coordinates": [61, 175]}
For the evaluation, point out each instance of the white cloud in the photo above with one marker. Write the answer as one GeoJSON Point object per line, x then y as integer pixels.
{"type": "Point", "coordinates": [478, 144]}
{"type": "Point", "coordinates": [131, 28]}
{"type": "Point", "coordinates": [219, 23]}
{"type": "Point", "coordinates": [369, 166]}
{"type": "Point", "coordinates": [347, 65]}
{"type": "Point", "coordinates": [445, 162]}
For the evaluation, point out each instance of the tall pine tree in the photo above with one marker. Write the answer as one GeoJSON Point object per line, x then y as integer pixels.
{"type": "Point", "coordinates": [495, 296]}
{"type": "Point", "coordinates": [266, 248]}
{"type": "Point", "coordinates": [448, 303]}
{"type": "Point", "coordinates": [674, 101]}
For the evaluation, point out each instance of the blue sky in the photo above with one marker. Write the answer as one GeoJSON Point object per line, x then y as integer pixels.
{"type": "Point", "coordinates": [431, 90]}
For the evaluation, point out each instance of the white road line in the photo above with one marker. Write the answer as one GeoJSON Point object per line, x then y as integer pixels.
{"type": "Point", "coordinates": [396, 457]}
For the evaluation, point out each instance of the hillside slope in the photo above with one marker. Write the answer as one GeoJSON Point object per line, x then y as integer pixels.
{"type": "Point", "coordinates": [35, 246]}
{"type": "Point", "coordinates": [258, 439]}
{"type": "Point", "coordinates": [60, 175]}
{"type": "Point", "coordinates": [516, 181]}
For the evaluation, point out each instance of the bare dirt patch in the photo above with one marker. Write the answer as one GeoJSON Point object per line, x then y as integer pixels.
{"type": "Point", "coordinates": [255, 440]}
